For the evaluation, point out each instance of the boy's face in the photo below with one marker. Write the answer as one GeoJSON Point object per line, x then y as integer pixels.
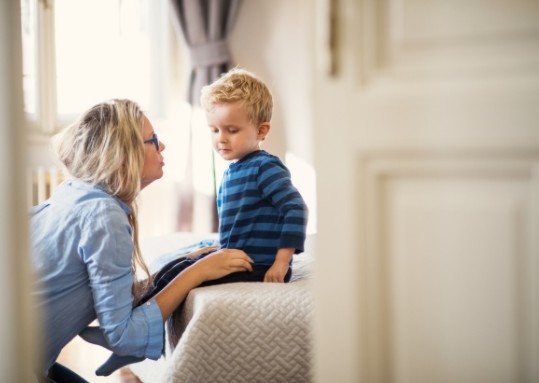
{"type": "Point", "coordinates": [233, 134]}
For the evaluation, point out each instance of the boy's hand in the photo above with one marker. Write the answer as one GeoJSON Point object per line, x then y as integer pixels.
{"type": "Point", "coordinates": [278, 270]}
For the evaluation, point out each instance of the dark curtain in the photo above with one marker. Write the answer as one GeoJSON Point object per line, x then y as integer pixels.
{"type": "Point", "coordinates": [204, 26]}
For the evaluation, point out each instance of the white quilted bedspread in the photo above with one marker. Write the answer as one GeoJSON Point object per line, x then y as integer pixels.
{"type": "Point", "coordinates": [245, 332]}
{"type": "Point", "coordinates": [242, 332]}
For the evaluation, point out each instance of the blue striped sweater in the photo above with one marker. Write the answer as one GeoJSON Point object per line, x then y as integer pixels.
{"type": "Point", "coordinates": [260, 211]}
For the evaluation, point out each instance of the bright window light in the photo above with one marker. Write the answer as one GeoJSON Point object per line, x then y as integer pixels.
{"type": "Point", "coordinates": [102, 51]}
{"type": "Point", "coordinates": [29, 46]}
{"type": "Point", "coordinates": [77, 53]}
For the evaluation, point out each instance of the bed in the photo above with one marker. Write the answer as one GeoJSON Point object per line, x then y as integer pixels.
{"type": "Point", "coordinates": [237, 332]}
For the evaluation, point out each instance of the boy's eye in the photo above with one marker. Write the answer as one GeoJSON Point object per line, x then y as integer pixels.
{"type": "Point", "coordinates": [232, 131]}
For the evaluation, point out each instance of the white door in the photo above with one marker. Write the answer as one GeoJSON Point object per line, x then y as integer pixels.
{"type": "Point", "coordinates": [427, 150]}
{"type": "Point", "coordinates": [17, 335]}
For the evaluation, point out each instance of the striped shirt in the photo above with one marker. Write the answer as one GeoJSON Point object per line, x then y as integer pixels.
{"type": "Point", "coordinates": [260, 211]}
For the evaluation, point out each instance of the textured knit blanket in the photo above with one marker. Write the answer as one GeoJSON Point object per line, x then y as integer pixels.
{"type": "Point", "coordinates": [245, 332]}
{"type": "Point", "coordinates": [242, 332]}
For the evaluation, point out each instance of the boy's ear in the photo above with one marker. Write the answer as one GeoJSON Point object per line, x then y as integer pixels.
{"type": "Point", "coordinates": [263, 130]}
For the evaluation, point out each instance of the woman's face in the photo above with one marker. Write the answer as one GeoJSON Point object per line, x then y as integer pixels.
{"type": "Point", "coordinates": [153, 159]}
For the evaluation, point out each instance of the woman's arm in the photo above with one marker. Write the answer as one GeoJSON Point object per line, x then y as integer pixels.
{"type": "Point", "coordinates": [215, 265]}
{"type": "Point", "coordinates": [194, 254]}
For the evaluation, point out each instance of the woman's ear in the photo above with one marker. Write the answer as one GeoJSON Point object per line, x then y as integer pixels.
{"type": "Point", "coordinates": [263, 130]}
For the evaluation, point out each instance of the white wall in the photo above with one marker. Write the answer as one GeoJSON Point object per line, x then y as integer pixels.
{"type": "Point", "coordinates": [274, 39]}
{"type": "Point", "coordinates": [16, 353]}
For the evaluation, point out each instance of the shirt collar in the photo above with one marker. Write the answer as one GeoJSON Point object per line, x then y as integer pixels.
{"type": "Point", "coordinates": [87, 186]}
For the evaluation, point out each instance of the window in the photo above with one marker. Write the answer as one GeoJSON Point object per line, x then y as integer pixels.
{"type": "Point", "coordinates": [80, 52]}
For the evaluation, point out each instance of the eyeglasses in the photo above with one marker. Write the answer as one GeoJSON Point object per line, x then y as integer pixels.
{"type": "Point", "coordinates": [154, 140]}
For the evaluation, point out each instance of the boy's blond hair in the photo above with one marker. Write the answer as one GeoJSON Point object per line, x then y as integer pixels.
{"type": "Point", "coordinates": [239, 85]}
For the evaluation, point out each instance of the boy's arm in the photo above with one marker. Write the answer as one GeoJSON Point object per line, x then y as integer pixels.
{"type": "Point", "coordinates": [278, 270]}
{"type": "Point", "coordinates": [274, 181]}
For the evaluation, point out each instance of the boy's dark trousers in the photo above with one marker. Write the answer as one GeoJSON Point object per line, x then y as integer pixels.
{"type": "Point", "coordinates": [176, 266]}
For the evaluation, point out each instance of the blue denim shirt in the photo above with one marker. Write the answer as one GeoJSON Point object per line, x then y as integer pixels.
{"type": "Point", "coordinates": [81, 252]}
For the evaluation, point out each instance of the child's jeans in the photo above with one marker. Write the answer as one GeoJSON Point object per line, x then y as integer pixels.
{"type": "Point", "coordinates": [176, 266]}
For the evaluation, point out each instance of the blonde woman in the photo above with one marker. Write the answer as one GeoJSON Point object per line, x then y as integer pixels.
{"type": "Point", "coordinates": [85, 249]}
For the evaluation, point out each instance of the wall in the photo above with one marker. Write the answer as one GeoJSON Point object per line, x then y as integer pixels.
{"type": "Point", "coordinates": [274, 40]}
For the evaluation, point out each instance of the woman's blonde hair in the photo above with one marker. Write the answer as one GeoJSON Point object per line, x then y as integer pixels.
{"type": "Point", "coordinates": [105, 147]}
{"type": "Point", "coordinates": [239, 85]}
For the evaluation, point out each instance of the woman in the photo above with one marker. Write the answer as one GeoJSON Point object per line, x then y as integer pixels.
{"type": "Point", "coordinates": [85, 246]}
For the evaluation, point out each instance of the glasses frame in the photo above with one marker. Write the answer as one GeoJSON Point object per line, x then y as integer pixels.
{"type": "Point", "coordinates": [154, 140]}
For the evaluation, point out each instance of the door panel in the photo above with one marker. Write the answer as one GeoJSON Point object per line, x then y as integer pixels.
{"type": "Point", "coordinates": [430, 129]}
{"type": "Point", "coordinates": [452, 267]}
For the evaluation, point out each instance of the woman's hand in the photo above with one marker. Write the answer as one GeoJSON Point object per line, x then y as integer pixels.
{"type": "Point", "coordinates": [215, 265]}
{"type": "Point", "coordinates": [221, 263]}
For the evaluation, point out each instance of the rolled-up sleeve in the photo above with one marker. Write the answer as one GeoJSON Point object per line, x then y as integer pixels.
{"type": "Point", "coordinates": [155, 333]}
{"type": "Point", "coordinates": [107, 250]}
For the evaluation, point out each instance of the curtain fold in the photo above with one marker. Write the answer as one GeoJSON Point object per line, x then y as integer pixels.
{"type": "Point", "coordinates": [204, 26]}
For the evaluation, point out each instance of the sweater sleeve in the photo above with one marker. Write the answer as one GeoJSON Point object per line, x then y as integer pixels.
{"type": "Point", "coordinates": [275, 184]}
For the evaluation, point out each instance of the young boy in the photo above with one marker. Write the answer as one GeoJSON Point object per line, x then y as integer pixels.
{"type": "Point", "coordinates": [260, 211]}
